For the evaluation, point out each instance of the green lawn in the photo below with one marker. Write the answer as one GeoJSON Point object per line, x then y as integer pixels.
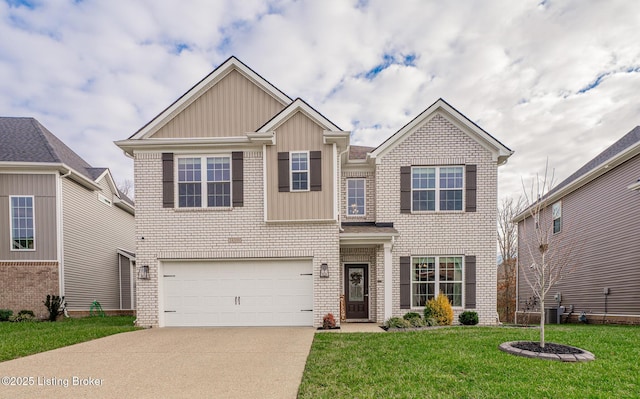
{"type": "Point", "coordinates": [464, 362]}
{"type": "Point", "coordinates": [27, 338]}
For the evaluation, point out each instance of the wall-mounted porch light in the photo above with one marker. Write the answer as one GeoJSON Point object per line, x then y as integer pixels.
{"type": "Point", "coordinates": [324, 270]}
{"type": "Point", "coordinates": [143, 272]}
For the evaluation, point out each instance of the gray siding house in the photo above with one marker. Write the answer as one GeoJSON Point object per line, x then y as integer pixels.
{"type": "Point", "coordinates": [65, 229]}
{"type": "Point", "coordinates": [253, 209]}
{"type": "Point", "coordinates": [594, 213]}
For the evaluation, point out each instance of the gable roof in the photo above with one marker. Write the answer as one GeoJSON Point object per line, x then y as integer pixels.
{"type": "Point", "coordinates": [24, 140]}
{"type": "Point", "coordinates": [617, 153]}
{"type": "Point", "coordinates": [500, 151]}
{"type": "Point", "coordinates": [232, 63]}
{"type": "Point", "coordinates": [298, 105]}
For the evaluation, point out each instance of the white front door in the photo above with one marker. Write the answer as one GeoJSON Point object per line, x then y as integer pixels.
{"type": "Point", "coordinates": [238, 293]}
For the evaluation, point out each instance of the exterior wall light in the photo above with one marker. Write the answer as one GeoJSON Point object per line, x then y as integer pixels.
{"type": "Point", "coordinates": [143, 272]}
{"type": "Point", "coordinates": [324, 270]}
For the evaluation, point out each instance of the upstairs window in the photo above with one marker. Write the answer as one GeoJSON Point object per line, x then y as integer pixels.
{"type": "Point", "coordinates": [356, 193]}
{"type": "Point", "coordinates": [22, 223]}
{"type": "Point", "coordinates": [556, 211]}
{"type": "Point", "coordinates": [215, 183]}
{"type": "Point", "coordinates": [436, 188]}
{"type": "Point", "coordinates": [300, 171]}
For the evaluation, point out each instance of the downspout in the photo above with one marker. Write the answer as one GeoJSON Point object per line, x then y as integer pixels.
{"type": "Point", "coordinates": [339, 191]}
{"type": "Point", "coordinates": [59, 217]}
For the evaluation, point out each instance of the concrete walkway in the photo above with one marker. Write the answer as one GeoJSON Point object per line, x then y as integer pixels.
{"type": "Point", "coordinates": [169, 363]}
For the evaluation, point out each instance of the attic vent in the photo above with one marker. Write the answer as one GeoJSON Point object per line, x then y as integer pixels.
{"type": "Point", "coordinates": [104, 200]}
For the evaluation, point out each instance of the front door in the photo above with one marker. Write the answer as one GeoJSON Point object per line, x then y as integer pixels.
{"type": "Point", "coordinates": [357, 291]}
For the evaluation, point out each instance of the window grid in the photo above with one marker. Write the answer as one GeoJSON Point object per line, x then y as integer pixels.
{"type": "Point", "coordinates": [300, 171]}
{"type": "Point", "coordinates": [22, 224]}
{"type": "Point", "coordinates": [556, 211]}
{"type": "Point", "coordinates": [356, 197]}
{"type": "Point", "coordinates": [429, 183]}
{"type": "Point", "coordinates": [432, 275]}
{"type": "Point", "coordinates": [215, 183]}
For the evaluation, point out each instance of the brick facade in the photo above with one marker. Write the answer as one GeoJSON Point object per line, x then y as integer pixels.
{"type": "Point", "coordinates": [210, 234]}
{"type": "Point", "coordinates": [25, 285]}
{"type": "Point", "coordinates": [439, 142]}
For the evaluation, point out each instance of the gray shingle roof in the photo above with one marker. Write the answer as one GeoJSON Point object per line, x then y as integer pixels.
{"type": "Point", "coordinates": [359, 151]}
{"type": "Point", "coordinates": [628, 140]}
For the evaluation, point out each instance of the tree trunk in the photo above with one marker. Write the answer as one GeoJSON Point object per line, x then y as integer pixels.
{"type": "Point", "coordinates": [542, 322]}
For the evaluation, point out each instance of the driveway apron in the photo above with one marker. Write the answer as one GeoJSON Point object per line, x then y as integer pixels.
{"type": "Point", "coordinates": [256, 362]}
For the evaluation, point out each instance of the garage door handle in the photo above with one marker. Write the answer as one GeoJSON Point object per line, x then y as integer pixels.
{"type": "Point", "coordinates": [306, 310]}
{"type": "Point", "coordinates": [306, 274]}
{"type": "Point", "coordinates": [170, 311]}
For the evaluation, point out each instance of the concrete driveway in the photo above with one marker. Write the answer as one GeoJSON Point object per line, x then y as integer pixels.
{"type": "Point", "coordinates": [258, 362]}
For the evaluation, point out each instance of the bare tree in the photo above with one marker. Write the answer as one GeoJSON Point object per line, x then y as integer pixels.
{"type": "Point", "coordinates": [508, 245]}
{"type": "Point", "coordinates": [126, 187]}
{"type": "Point", "coordinates": [549, 257]}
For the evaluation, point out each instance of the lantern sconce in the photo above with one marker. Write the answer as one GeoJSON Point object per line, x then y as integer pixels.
{"type": "Point", "coordinates": [143, 272]}
{"type": "Point", "coordinates": [324, 270]}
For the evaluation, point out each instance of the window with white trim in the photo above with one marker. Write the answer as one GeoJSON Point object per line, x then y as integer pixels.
{"type": "Point", "coordinates": [22, 223]}
{"type": "Point", "coordinates": [356, 193]}
{"type": "Point", "coordinates": [436, 188]}
{"type": "Point", "coordinates": [299, 171]}
{"type": "Point", "coordinates": [556, 212]}
{"type": "Point", "coordinates": [433, 275]}
{"type": "Point", "coordinates": [215, 183]}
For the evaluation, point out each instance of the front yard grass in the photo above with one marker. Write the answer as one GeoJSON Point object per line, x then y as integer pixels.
{"type": "Point", "coordinates": [27, 338]}
{"type": "Point", "coordinates": [464, 362]}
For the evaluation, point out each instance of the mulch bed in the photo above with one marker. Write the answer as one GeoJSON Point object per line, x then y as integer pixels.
{"type": "Point", "coordinates": [551, 351]}
{"type": "Point", "coordinates": [548, 348]}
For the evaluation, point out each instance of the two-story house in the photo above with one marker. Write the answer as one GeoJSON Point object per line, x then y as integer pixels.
{"type": "Point", "coordinates": [254, 209]}
{"type": "Point", "coordinates": [592, 218]}
{"type": "Point", "coordinates": [65, 229]}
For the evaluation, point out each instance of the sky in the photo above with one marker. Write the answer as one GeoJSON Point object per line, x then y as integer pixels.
{"type": "Point", "coordinates": [555, 81]}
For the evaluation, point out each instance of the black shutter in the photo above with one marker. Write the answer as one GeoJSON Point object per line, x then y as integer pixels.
{"type": "Point", "coordinates": [405, 189]}
{"type": "Point", "coordinates": [283, 171]}
{"type": "Point", "coordinates": [405, 282]}
{"type": "Point", "coordinates": [315, 163]}
{"type": "Point", "coordinates": [237, 184]}
{"type": "Point", "coordinates": [167, 180]}
{"type": "Point", "coordinates": [471, 182]}
{"type": "Point", "coordinates": [470, 282]}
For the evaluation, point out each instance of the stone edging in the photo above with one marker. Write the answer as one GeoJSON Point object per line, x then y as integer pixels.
{"type": "Point", "coordinates": [585, 356]}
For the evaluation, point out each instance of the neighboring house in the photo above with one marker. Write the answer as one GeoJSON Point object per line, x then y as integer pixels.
{"type": "Point", "coordinates": [594, 213]}
{"type": "Point", "coordinates": [65, 229]}
{"type": "Point", "coordinates": [254, 209]}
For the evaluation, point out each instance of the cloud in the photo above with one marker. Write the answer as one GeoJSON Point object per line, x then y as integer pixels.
{"type": "Point", "coordinates": [552, 80]}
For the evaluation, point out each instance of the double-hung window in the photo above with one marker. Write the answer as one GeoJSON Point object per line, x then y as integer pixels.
{"type": "Point", "coordinates": [436, 188]}
{"type": "Point", "coordinates": [433, 275]}
{"type": "Point", "coordinates": [300, 171]}
{"type": "Point", "coordinates": [22, 223]}
{"type": "Point", "coordinates": [556, 211]}
{"type": "Point", "coordinates": [356, 197]}
{"type": "Point", "coordinates": [215, 182]}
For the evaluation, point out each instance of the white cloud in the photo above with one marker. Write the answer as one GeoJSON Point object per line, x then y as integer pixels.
{"type": "Point", "coordinates": [96, 71]}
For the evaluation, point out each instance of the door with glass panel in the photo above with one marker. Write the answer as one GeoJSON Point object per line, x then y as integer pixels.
{"type": "Point", "coordinates": [357, 291]}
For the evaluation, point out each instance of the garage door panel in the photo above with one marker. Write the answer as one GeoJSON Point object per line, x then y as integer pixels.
{"type": "Point", "coordinates": [238, 293]}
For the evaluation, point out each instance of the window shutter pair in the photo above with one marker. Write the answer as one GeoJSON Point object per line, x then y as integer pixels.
{"type": "Point", "coordinates": [470, 188]}
{"type": "Point", "coordinates": [237, 183]}
{"type": "Point", "coordinates": [315, 171]}
{"type": "Point", "coordinates": [469, 282]}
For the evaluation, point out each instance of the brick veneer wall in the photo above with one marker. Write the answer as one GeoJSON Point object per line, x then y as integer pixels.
{"type": "Point", "coordinates": [439, 142]}
{"type": "Point", "coordinates": [225, 234]}
{"type": "Point", "coordinates": [25, 285]}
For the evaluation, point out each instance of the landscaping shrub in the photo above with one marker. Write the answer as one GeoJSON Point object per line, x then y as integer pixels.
{"type": "Point", "coordinates": [23, 315]}
{"type": "Point", "coordinates": [415, 319]}
{"type": "Point", "coordinates": [328, 321]}
{"type": "Point", "coordinates": [55, 305]}
{"type": "Point", "coordinates": [5, 314]}
{"type": "Point", "coordinates": [397, 322]}
{"type": "Point", "coordinates": [430, 322]}
{"type": "Point", "coordinates": [468, 318]}
{"type": "Point", "coordinates": [440, 309]}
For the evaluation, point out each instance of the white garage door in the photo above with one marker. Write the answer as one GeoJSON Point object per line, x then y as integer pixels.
{"type": "Point", "coordinates": [238, 293]}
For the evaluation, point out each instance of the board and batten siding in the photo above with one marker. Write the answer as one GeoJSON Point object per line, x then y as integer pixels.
{"type": "Point", "coordinates": [93, 231]}
{"type": "Point", "coordinates": [600, 223]}
{"type": "Point", "coordinates": [43, 188]}
{"type": "Point", "coordinates": [232, 107]}
{"type": "Point", "coordinates": [300, 133]}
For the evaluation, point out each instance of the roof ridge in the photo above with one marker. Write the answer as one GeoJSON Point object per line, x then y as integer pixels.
{"type": "Point", "coordinates": [39, 129]}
